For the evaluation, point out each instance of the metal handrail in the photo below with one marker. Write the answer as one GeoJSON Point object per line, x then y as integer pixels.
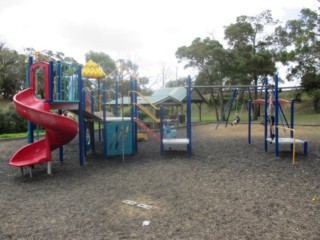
{"type": "Point", "coordinates": [144, 98]}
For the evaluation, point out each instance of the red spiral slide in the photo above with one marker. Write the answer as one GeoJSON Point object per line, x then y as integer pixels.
{"type": "Point", "coordinates": [59, 129]}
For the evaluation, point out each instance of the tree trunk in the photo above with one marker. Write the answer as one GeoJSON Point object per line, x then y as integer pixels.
{"type": "Point", "coordinates": [256, 107]}
{"type": "Point", "coordinates": [214, 102]}
{"type": "Point", "coordinates": [220, 95]}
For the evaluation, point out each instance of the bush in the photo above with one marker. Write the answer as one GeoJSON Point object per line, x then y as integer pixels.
{"type": "Point", "coordinates": [11, 122]}
{"type": "Point", "coordinates": [315, 94]}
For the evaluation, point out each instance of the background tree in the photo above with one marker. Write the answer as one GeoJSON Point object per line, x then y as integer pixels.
{"type": "Point", "coordinates": [12, 72]}
{"type": "Point", "coordinates": [310, 84]}
{"type": "Point", "coordinates": [211, 60]}
{"type": "Point", "coordinates": [165, 75]}
{"type": "Point", "coordinates": [107, 64]}
{"type": "Point", "coordinates": [299, 49]}
{"type": "Point", "coordinates": [143, 82]}
{"type": "Point", "coordinates": [48, 55]}
{"type": "Point", "coordinates": [251, 49]}
{"type": "Point", "coordinates": [181, 82]}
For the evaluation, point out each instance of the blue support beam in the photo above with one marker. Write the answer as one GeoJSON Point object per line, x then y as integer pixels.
{"type": "Point", "coordinates": [30, 124]}
{"type": "Point", "coordinates": [189, 132]}
{"type": "Point", "coordinates": [276, 115]}
{"type": "Point", "coordinates": [161, 131]}
{"type": "Point", "coordinates": [81, 119]}
{"type": "Point", "coordinates": [104, 114]}
{"type": "Point", "coordinates": [249, 122]}
{"type": "Point", "coordinates": [266, 97]}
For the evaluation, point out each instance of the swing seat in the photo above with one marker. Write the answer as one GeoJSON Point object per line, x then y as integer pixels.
{"type": "Point", "coordinates": [291, 141]}
{"type": "Point", "coordinates": [169, 133]}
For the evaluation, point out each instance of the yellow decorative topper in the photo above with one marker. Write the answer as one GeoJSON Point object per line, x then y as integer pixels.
{"type": "Point", "coordinates": [92, 70]}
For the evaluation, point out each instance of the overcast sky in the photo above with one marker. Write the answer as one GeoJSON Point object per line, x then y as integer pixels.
{"type": "Point", "coordinates": [148, 32]}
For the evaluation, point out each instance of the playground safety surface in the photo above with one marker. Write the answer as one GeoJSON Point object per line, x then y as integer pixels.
{"type": "Point", "coordinates": [228, 189]}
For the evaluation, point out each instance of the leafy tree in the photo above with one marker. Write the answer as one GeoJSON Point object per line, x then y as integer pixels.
{"type": "Point", "coordinates": [251, 49]}
{"type": "Point", "coordinates": [143, 81]}
{"type": "Point", "coordinates": [48, 55]}
{"type": "Point", "coordinates": [310, 83]}
{"type": "Point", "coordinates": [251, 53]}
{"type": "Point", "coordinates": [211, 60]}
{"type": "Point", "coordinates": [299, 48]}
{"type": "Point", "coordinates": [107, 64]}
{"type": "Point", "coordinates": [12, 71]}
{"type": "Point", "coordinates": [299, 44]}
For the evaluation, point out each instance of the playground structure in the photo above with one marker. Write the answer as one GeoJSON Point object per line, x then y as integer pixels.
{"type": "Point", "coordinates": [167, 135]}
{"type": "Point", "coordinates": [234, 95]}
{"type": "Point", "coordinates": [279, 115]}
{"type": "Point", "coordinates": [59, 129]}
{"type": "Point", "coordinates": [276, 139]}
{"type": "Point", "coordinates": [65, 89]}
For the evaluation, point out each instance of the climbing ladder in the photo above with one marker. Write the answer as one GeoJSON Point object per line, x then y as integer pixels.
{"type": "Point", "coordinates": [148, 130]}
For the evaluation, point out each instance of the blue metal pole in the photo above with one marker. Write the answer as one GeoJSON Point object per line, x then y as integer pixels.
{"type": "Point", "coordinates": [83, 98]}
{"type": "Point", "coordinates": [58, 80]}
{"type": "Point", "coordinates": [116, 114]}
{"type": "Point", "coordinates": [133, 140]}
{"type": "Point", "coordinates": [99, 107]}
{"type": "Point", "coordinates": [98, 100]}
{"type": "Point", "coordinates": [161, 130]}
{"type": "Point", "coordinates": [136, 112]}
{"type": "Point", "coordinates": [81, 120]}
{"type": "Point", "coordinates": [234, 93]}
{"type": "Point", "coordinates": [291, 116]}
{"type": "Point", "coordinates": [51, 90]}
{"type": "Point", "coordinates": [189, 133]}
{"type": "Point", "coordinates": [276, 114]}
{"type": "Point", "coordinates": [30, 124]}
{"type": "Point", "coordinates": [266, 115]}
{"type": "Point", "coordinates": [51, 83]}
{"type": "Point", "coordinates": [92, 101]}
{"type": "Point", "coordinates": [59, 97]}
{"type": "Point", "coordinates": [249, 121]}
{"type": "Point", "coordinates": [104, 114]}
{"type": "Point", "coordinates": [225, 109]}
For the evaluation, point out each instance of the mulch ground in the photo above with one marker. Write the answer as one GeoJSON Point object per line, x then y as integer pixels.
{"type": "Point", "coordinates": [228, 189]}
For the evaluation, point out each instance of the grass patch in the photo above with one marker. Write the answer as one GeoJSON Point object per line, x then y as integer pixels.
{"type": "Point", "coordinates": [13, 135]}
{"type": "Point", "coordinates": [21, 135]}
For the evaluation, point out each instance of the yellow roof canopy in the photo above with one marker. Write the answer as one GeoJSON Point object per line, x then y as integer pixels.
{"type": "Point", "coordinates": [92, 70]}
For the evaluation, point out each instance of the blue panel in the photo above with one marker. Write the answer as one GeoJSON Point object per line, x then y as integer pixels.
{"type": "Point", "coordinates": [119, 138]}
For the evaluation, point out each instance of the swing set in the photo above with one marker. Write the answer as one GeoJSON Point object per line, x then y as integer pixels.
{"type": "Point", "coordinates": [235, 97]}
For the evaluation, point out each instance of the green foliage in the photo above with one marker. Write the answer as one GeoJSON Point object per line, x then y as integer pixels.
{"type": "Point", "coordinates": [311, 85]}
{"type": "Point", "coordinates": [11, 122]}
{"type": "Point", "coordinates": [299, 43]}
{"type": "Point", "coordinates": [12, 69]}
{"type": "Point", "coordinates": [251, 56]}
{"type": "Point", "coordinates": [315, 94]}
{"type": "Point", "coordinates": [210, 58]}
{"type": "Point", "coordinates": [48, 55]}
{"type": "Point", "coordinates": [107, 64]}
{"type": "Point", "coordinates": [310, 81]}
